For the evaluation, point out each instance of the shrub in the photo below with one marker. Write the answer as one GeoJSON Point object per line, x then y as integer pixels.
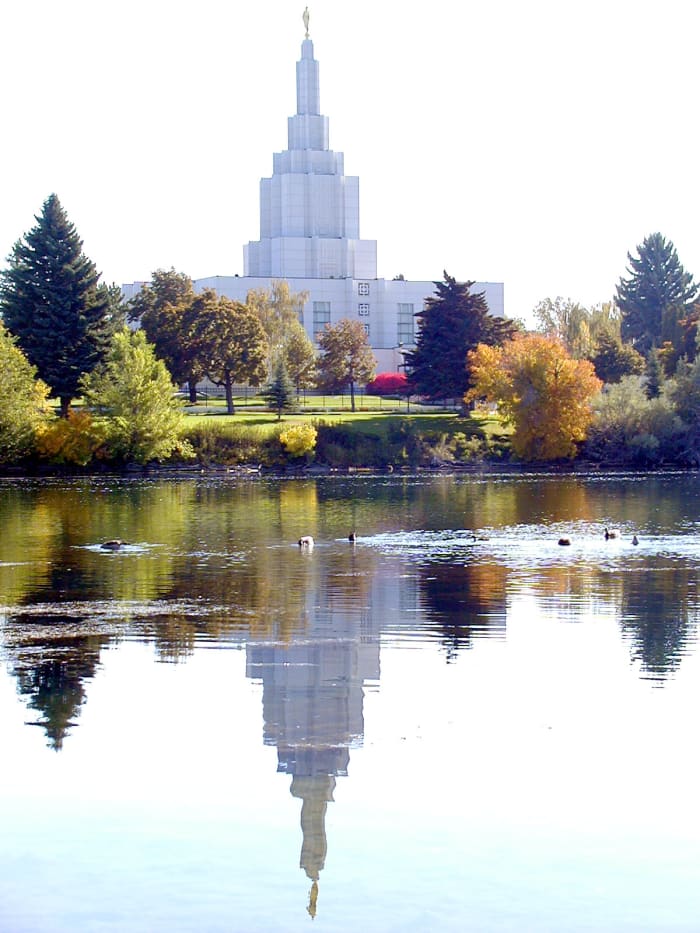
{"type": "Point", "coordinates": [299, 440]}
{"type": "Point", "coordinates": [388, 384]}
{"type": "Point", "coordinates": [75, 439]}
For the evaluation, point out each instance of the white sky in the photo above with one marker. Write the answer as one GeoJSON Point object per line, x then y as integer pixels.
{"type": "Point", "coordinates": [531, 143]}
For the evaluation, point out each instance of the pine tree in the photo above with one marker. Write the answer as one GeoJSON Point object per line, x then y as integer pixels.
{"type": "Point", "coordinates": [657, 286]}
{"type": "Point", "coordinates": [52, 303]}
{"type": "Point", "coordinates": [452, 323]}
{"type": "Point", "coordinates": [654, 374]}
{"type": "Point", "coordinates": [280, 394]}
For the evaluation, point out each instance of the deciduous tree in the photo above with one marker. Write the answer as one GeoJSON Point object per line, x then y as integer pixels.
{"type": "Point", "coordinates": [162, 308]}
{"type": "Point", "coordinates": [22, 400]}
{"type": "Point", "coordinates": [133, 396]}
{"type": "Point", "coordinates": [300, 357]}
{"type": "Point", "coordinates": [52, 302]}
{"type": "Point", "coordinates": [279, 310]}
{"type": "Point", "coordinates": [656, 292]}
{"type": "Point", "coordinates": [452, 322]}
{"type": "Point", "coordinates": [346, 358]}
{"type": "Point", "coordinates": [540, 390]}
{"type": "Point", "coordinates": [229, 342]}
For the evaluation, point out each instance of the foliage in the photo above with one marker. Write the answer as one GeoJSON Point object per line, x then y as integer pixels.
{"type": "Point", "coordinates": [163, 309]}
{"type": "Point", "coordinates": [299, 355]}
{"type": "Point", "coordinates": [278, 310]}
{"type": "Point", "coordinates": [389, 384]}
{"type": "Point", "coordinates": [613, 359]}
{"type": "Point", "coordinates": [228, 444]}
{"type": "Point", "coordinates": [346, 357]}
{"type": "Point", "coordinates": [452, 322]}
{"type": "Point", "coordinates": [133, 397]}
{"type": "Point", "coordinates": [299, 439]}
{"type": "Point", "coordinates": [22, 400]}
{"type": "Point", "coordinates": [51, 301]}
{"type": "Point", "coordinates": [683, 392]}
{"type": "Point", "coordinates": [654, 374]}
{"type": "Point", "coordinates": [72, 440]}
{"type": "Point", "coordinates": [657, 292]}
{"type": "Point", "coordinates": [229, 341]}
{"type": "Point", "coordinates": [279, 394]}
{"type": "Point", "coordinates": [566, 321]}
{"type": "Point", "coordinates": [540, 390]}
{"type": "Point", "coordinates": [630, 428]}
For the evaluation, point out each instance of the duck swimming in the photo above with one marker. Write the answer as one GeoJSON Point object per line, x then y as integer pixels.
{"type": "Point", "coordinates": [114, 545]}
{"type": "Point", "coordinates": [613, 533]}
{"type": "Point", "coordinates": [306, 541]}
{"type": "Point", "coordinates": [564, 541]}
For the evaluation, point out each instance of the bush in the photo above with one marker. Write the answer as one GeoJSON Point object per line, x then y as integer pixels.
{"type": "Point", "coordinates": [299, 440]}
{"type": "Point", "coordinates": [75, 439]}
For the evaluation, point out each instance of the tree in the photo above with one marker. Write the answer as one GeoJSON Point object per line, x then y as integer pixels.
{"type": "Point", "coordinates": [132, 394]}
{"type": "Point", "coordinates": [540, 390]}
{"type": "Point", "coordinates": [300, 357]}
{"type": "Point", "coordinates": [613, 359]}
{"type": "Point", "coordinates": [656, 292]}
{"type": "Point", "coordinates": [452, 323]}
{"type": "Point", "coordinates": [279, 394]}
{"type": "Point", "coordinates": [22, 399]}
{"type": "Point", "coordinates": [51, 301]}
{"type": "Point", "coordinates": [279, 310]}
{"type": "Point", "coordinates": [567, 321]}
{"type": "Point", "coordinates": [162, 308]}
{"type": "Point", "coordinates": [228, 342]}
{"type": "Point", "coordinates": [654, 374]}
{"type": "Point", "coordinates": [346, 357]}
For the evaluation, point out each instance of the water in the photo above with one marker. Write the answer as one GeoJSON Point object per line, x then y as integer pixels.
{"type": "Point", "coordinates": [213, 730]}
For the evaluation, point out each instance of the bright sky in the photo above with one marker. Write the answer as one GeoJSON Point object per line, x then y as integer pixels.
{"type": "Point", "coordinates": [530, 143]}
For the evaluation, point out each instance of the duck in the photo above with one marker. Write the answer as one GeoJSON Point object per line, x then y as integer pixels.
{"type": "Point", "coordinates": [564, 541]}
{"type": "Point", "coordinates": [635, 540]}
{"type": "Point", "coordinates": [306, 541]}
{"type": "Point", "coordinates": [612, 533]}
{"type": "Point", "coordinates": [114, 545]}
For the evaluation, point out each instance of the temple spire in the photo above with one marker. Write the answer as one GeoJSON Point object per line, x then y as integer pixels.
{"type": "Point", "coordinates": [305, 17]}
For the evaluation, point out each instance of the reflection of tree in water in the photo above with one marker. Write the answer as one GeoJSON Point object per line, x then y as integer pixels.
{"type": "Point", "coordinates": [52, 674]}
{"type": "Point", "coordinates": [464, 601]}
{"type": "Point", "coordinates": [659, 615]}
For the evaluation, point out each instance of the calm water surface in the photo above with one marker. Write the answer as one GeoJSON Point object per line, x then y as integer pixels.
{"type": "Point", "coordinates": [212, 730]}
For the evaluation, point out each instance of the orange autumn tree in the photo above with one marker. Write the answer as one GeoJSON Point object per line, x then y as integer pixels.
{"type": "Point", "coordinates": [540, 390]}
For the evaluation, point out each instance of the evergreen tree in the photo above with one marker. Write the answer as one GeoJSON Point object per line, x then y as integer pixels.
{"type": "Point", "coordinates": [657, 291]}
{"type": "Point", "coordinates": [22, 399]}
{"type": "Point", "coordinates": [452, 323]}
{"type": "Point", "coordinates": [51, 301]}
{"type": "Point", "coordinates": [279, 394]}
{"type": "Point", "coordinates": [613, 359]}
{"type": "Point", "coordinates": [654, 374]}
{"type": "Point", "coordinates": [135, 398]}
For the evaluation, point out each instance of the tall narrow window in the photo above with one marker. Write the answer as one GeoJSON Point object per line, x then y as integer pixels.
{"type": "Point", "coordinates": [405, 324]}
{"type": "Point", "coordinates": [322, 316]}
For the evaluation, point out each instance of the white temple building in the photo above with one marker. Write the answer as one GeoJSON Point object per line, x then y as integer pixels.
{"type": "Point", "coordinates": [310, 237]}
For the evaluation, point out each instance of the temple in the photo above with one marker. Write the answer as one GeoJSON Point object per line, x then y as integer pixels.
{"type": "Point", "coordinates": [310, 237]}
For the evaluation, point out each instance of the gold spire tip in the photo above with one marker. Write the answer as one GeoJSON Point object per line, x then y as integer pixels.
{"type": "Point", "coordinates": [305, 17]}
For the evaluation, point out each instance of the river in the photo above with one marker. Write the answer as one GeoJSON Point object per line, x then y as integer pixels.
{"type": "Point", "coordinates": [451, 723]}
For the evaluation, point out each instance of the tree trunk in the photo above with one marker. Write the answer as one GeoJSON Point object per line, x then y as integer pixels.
{"type": "Point", "coordinates": [65, 405]}
{"type": "Point", "coordinates": [229, 394]}
{"type": "Point", "coordinates": [192, 387]}
{"type": "Point", "coordinates": [352, 395]}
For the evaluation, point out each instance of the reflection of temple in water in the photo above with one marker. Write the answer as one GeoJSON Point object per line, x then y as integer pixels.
{"type": "Point", "coordinates": [312, 708]}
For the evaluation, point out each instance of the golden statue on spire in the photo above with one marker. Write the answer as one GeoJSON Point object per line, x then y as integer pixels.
{"type": "Point", "coordinates": [305, 17]}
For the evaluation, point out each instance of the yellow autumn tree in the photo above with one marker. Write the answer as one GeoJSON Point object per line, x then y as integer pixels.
{"type": "Point", "coordinates": [540, 390]}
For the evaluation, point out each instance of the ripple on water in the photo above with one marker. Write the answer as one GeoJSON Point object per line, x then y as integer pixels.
{"type": "Point", "coordinates": [527, 546]}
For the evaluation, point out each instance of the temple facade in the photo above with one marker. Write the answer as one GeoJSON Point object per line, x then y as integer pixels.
{"type": "Point", "coordinates": [310, 238]}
